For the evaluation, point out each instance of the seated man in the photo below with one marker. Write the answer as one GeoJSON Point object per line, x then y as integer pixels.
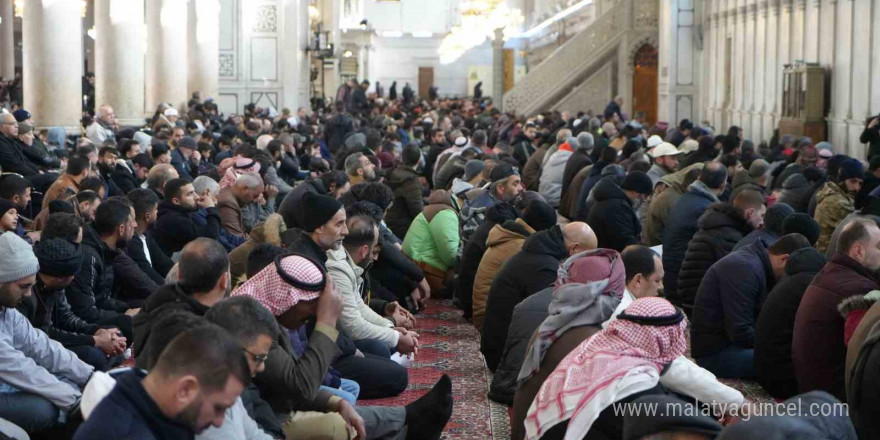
{"type": "Point", "coordinates": [187, 391]}
{"type": "Point", "coordinates": [38, 376]}
{"type": "Point", "coordinates": [47, 309]}
{"type": "Point", "coordinates": [295, 288]}
{"type": "Point", "coordinates": [818, 349]}
{"type": "Point", "coordinates": [644, 276]}
{"type": "Point", "coordinates": [91, 293]}
{"type": "Point", "coordinates": [175, 227]}
{"type": "Point", "coordinates": [203, 280]}
{"type": "Point", "coordinates": [233, 199]}
{"type": "Point", "coordinates": [142, 248]}
{"type": "Point", "coordinates": [432, 239]}
{"type": "Point", "coordinates": [728, 302]}
{"type": "Point", "coordinates": [345, 266]}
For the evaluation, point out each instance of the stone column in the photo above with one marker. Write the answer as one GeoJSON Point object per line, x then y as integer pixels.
{"type": "Point", "coordinates": [842, 74]}
{"type": "Point", "coordinates": [875, 62]}
{"type": "Point", "coordinates": [53, 63]}
{"type": "Point", "coordinates": [811, 42]}
{"type": "Point", "coordinates": [295, 59]}
{"type": "Point", "coordinates": [498, 68]}
{"type": "Point", "coordinates": [750, 16]}
{"type": "Point", "coordinates": [166, 72]}
{"type": "Point", "coordinates": [7, 40]}
{"type": "Point", "coordinates": [861, 75]}
{"type": "Point", "coordinates": [119, 58]}
{"type": "Point", "coordinates": [203, 47]}
{"type": "Point", "coordinates": [760, 128]}
{"type": "Point", "coordinates": [784, 56]}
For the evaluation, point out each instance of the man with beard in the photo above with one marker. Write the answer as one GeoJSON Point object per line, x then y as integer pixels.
{"type": "Point", "coordinates": [836, 199]}
{"type": "Point", "coordinates": [505, 186]}
{"type": "Point", "coordinates": [106, 165]}
{"type": "Point", "coordinates": [359, 169]}
{"type": "Point", "coordinates": [187, 391]}
{"type": "Point", "coordinates": [46, 377]}
{"type": "Point", "coordinates": [524, 143]}
{"type": "Point", "coordinates": [438, 145]}
{"type": "Point", "coordinates": [104, 125]}
{"type": "Point", "coordinates": [174, 226]}
{"type": "Point", "coordinates": [129, 172]}
{"type": "Point", "coordinates": [47, 309]}
{"type": "Point", "coordinates": [91, 294]}
{"type": "Point", "coordinates": [665, 161]}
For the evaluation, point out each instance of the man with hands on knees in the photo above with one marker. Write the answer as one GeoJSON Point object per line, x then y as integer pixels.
{"type": "Point", "coordinates": [296, 288]}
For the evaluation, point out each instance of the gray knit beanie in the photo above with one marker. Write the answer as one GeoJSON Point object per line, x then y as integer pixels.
{"type": "Point", "coordinates": [17, 259]}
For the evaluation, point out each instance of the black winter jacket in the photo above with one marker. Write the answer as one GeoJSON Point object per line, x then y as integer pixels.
{"type": "Point", "coordinates": [730, 297]}
{"type": "Point", "coordinates": [527, 317]}
{"type": "Point", "coordinates": [720, 228]}
{"type": "Point", "coordinates": [577, 161]}
{"type": "Point", "coordinates": [532, 269]}
{"type": "Point", "coordinates": [175, 228]}
{"type": "Point", "coordinates": [49, 311]}
{"type": "Point", "coordinates": [124, 178]}
{"type": "Point", "coordinates": [775, 327]}
{"type": "Point", "coordinates": [157, 266]}
{"type": "Point", "coordinates": [681, 227]}
{"type": "Point", "coordinates": [473, 252]}
{"type": "Point", "coordinates": [13, 158]}
{"type": "Point", "coordinates": [130, 283]}
{"type": "Point", "coordinates": [161, 302]}
{"type": "Point", "coordinates": [613, 218]}
{"type": "Point", "coordinates": [408, 202]}
{"type": "Point", "coordinates": [91, 293]}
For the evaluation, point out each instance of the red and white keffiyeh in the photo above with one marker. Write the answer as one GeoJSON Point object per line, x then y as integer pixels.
{"type": "Point", "coordinates": [241, 165]}
{"type": "Point", "coordinates": [619, 361]}
{"type": "Point", "coordinates": [274, 293]}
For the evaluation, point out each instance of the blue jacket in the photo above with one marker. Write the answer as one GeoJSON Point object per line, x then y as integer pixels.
{"type": "Point", "coordinates": [682, 227]}
{"type": "Point", "coordinates": [181, 165]}
{"type": "Point", "coordinates": [727, 304]}
{"type": "Point", "coordinates": [129, 413]}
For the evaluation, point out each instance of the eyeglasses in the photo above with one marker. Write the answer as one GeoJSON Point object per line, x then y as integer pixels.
{"type": "Point", "coordinates": [258, 358]}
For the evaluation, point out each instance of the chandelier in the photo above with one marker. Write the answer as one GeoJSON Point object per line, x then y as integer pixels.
{"type": "Point", "coordinates": [479, 20]}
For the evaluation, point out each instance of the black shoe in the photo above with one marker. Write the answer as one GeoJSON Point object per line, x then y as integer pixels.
{"type": "Point", "coordinates": [426, 417]}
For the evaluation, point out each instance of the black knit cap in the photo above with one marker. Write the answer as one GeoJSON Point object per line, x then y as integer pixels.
{"type": "Point", "coordinates": [639, 182]}
{"type": "Point", "coordinates": [58, 257]}
{"type": "Point", "coordinates": [539, 215]}
{"type": "Point", "coordinates": [5, 205]}
{"type": "Point", "coordinates": [803, 224]}
{"type": "Point", "coordinates": [317, 210]}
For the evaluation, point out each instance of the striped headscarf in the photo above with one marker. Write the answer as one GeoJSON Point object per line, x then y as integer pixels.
{"type": "Point", "coordinates": [277, 295]}
{"type": "Point", "coordinates": [241, 165]}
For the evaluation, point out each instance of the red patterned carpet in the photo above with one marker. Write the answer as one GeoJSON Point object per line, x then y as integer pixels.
{"type": "Point", "coordinates": [451, 345]}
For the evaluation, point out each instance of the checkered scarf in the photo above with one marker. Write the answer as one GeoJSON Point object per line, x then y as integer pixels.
{"type": "Point", "coordinates": [241, 165]}
{"type": "Point", "coordinates": [619, 361]}
{"type": "Point", "coordinates": [274, 293]}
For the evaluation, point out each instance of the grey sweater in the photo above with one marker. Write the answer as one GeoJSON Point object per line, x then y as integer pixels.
{"type": "Point", "coordinates": [33, 363]}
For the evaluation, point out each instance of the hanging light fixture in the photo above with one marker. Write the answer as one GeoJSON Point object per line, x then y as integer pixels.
{"type": "Point", "coordinates": [18, 6]}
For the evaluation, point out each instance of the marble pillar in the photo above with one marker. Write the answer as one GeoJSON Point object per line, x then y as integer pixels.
{"type": "Point", "coordinates": [875, 61]}
{"type": "Point", "coordinates": [295, 59]}
{"type": "Point", "coordinates": [750, 16]}
{"type": "Point", "coordinates": [7, 40]}
{"type": "Point", "coordinates": [759, 127]}
{"type": "Point", "coordinates": [811, 42]}
{"type": "Point", "coordinates": [119, 58]}
{"type": "Point", "coordinates": [498, 68]}
{"type": "Point", "coordinates": [52, 63]}
{"type": "Point", "coordinates": [772, 94]}
{"type": "Point", "coordinates": [166, 62]}
{"type": "Point", "coordinates": [842, 74]}
{"type": "Point", "coordinates": [203, 47]}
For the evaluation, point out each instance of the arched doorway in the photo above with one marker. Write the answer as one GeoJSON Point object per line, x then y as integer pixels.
{"type": "Point", "coordinates": [645, 82]}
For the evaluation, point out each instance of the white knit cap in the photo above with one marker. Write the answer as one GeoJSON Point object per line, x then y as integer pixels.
{"type": "Point", "coordinates": [17, 259]}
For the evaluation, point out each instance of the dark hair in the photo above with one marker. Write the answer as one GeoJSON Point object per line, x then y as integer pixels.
{"type": "Point", "coordinates": [275, 146]}
{"type": "Point", "coordinates": [62, 225]}
{"type": "Point", "coordinates": [691, 176]}
{"type": "Point", "coordinates": [212, 364]}
{"type": "Point", "coordinates": [159, 149]}
{"type": "Point", "coordinates": [167, 327]}
{"type": "Point", "coordinates": [202, 262]}
{"type": "Point", "coordinates": [127, 145]}
{"type": "Point", "coordinates": [729, 160]}
{"type": "Point", "coordinates": [365, 208]}
{"type": "Point", "coordinates": [337, 178]}
{"type": "Point", "coordinates": [479, 138]}
{"type": "Point", "coordinates": [729, 144]}
{"type": "Point", "coordinates": [13, 185]}
{"type": "Point", "coordinates": [244, 318]}
{"type": "Point", "coordinates": [92, 184]}
{"type": "Point", "coordinates": [111, 150]}
{"type": "Point", "coordinates": [714, 175]}
{"type": "Point", "coordinates": [411, 155]}
{"type": "Point", "coordinates": [748, 198]}
{"type": "Point", "coordinates": [173, 186]}
{"type": "Point", "coordinates": [638, 259]}
{"type": "Point", "coordinates": [143, 160]}
{"type": "Point", "coordinates": [87, 196]}
{"type": "Point", "coordinates": [361, 231]}
{"type": "Point", "coordinates": [86, 149]}
{"type": "Point", "coordinates": [61, 206]}
{"type": "Point", "coordinates": [76, 165]}
{"type": "Point", "coordinates": [788, 244]}
{"type": "Point", "coordinates": [854, 231]}
{"type": "Point", "coordinates": [261, 256]}
{"type": "Point", "coordinates": [609, 155]}
{"type": "Point", "coordinates": [377, 193]}
{"type": "Point", "coordinates": [111, 214]}
{"type": "Point", "coordinates": [143, 200]}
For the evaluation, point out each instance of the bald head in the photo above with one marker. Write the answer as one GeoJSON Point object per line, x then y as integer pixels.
{"type": "Point", "coordinates": [579, 237]}
{"type": "Point", "coordinates": [160, 175]}
{"type": "Point", "coordinates": [562, 135]}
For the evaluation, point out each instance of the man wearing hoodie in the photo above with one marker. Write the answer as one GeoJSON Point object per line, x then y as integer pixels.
{"type": "Point", "coordinates": [613, 214]}
{"type": "Point", "coordinates": [530, 270]}
{"type": "Point", "coordinates": [504, 241]}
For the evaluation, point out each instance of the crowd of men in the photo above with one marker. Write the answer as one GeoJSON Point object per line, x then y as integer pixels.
{"type": "Point", "coordinates": [253, 276]}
